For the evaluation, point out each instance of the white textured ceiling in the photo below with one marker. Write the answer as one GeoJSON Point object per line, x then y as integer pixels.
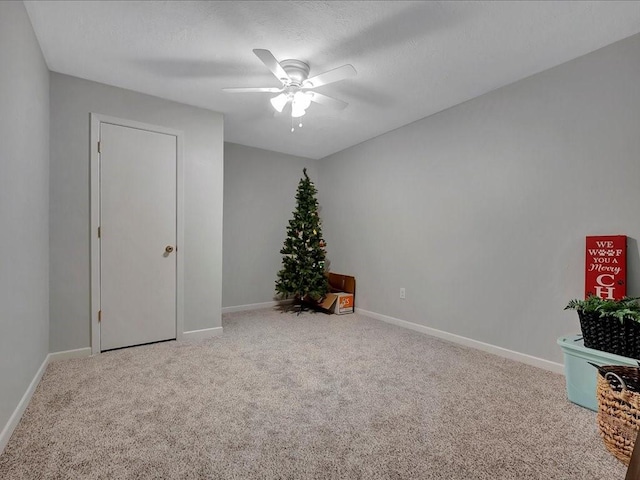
{"type": "Point", "coordinates": [413, 58]}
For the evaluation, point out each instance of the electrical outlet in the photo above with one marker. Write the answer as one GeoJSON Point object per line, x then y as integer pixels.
{"type": "Point", "coordinates": [403, 294]}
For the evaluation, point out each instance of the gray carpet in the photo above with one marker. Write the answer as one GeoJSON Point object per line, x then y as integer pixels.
{"type": "Point", "coordinates": [309, 397]}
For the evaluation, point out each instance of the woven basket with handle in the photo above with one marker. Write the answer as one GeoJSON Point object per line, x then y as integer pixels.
{"type": "Point", "coordinates": [619, 410]}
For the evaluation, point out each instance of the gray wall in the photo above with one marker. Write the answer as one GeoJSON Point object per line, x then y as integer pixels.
{"type": "Point", "coordinates": [259, 198]}
{"type": "Point", "coordinates": [480, 211]}
{"type": "Point", "coordinates": [24, 207]}
{"type": "Point", "coordinates": [72, 100]}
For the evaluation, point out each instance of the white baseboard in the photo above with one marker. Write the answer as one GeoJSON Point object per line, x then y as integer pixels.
{"type": "Point", "coordinates": [67, 354]}
{"type": "Point", "coordinates": [202, 334]}
{"type": "Point", "coordinates": [11, 425]}
{"type": "Point", "coordinates": [468, 342]}
{"type": "Point", "coordinates": [15, 417]}
{"type": "Point", "coordinates": [255, 306]}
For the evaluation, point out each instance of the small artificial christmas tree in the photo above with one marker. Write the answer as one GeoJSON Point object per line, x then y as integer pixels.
{"type": "Point", "coordinates": [303, 262]}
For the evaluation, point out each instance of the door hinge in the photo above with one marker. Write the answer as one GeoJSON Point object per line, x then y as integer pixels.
{"type": "Point", "coordinates": [99, 232]}
{"type": "Point", "coordinates": [99, 147]}
{"type": "Point", "coordinates": [99, 315]}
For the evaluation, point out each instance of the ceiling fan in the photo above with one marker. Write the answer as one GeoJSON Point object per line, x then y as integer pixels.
{"type": "Point", "coordinates": [297, 87]}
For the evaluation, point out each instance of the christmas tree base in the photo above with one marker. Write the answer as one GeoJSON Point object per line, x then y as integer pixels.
{"type": "Point", "coordinates": [298, 305]}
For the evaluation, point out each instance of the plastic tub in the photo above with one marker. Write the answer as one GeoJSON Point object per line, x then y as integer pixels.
{"type": "Point", "coordinates": [580, 376]}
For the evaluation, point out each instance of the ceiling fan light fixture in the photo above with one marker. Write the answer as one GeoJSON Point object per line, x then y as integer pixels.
{"type": "Point", "coordinates": [279, 102]}
{"type": "Point", "coordinates": [297, 111]}
{"type": "Point", "coordinates": [301, 100]}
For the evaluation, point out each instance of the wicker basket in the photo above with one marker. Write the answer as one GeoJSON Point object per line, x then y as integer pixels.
{"type": "Point", "coordinates": [609, 334]}
{"type": "Point", "coordinates": [618, 412]}
{"type": "Point", "coordinates": [632, 338]}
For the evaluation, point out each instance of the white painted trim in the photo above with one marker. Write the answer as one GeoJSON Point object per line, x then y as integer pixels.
{"type": "Point", "coordinates": [96, 119]}
{"type": "Point", "coordinates": [94, 201]}
{"type": "Point", "coordinates": [179, 236]}
{"type": "Point", "coordinates": [67, 354]}
{"type": "Point", "coordinates": [15, 417]}
{"type": "Point", "coordinates": [202, 334]}
{"type": "Point", "coordinates": [255, 306]}
{"type": "Point", "coordinates": [468, 342]}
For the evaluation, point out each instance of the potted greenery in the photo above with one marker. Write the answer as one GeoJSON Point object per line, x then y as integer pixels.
{"type": "Point", "coordinates": [610, 325]}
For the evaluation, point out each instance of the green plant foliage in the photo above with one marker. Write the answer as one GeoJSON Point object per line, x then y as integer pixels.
{"type": "Point", "coordinates": [303, 261]}
{"type": "Point", "coordinates": [627, 307]}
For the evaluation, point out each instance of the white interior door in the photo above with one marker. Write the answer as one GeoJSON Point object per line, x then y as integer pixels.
{"type": "Point", "coordinates": [138, 236]}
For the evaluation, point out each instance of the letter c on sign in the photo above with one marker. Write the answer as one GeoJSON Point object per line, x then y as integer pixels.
{"type": "Point", "coordinates": [600, 281]}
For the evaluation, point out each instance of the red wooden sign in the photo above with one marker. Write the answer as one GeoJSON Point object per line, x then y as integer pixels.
{"type": "Point", "coordinates": [606, 267]}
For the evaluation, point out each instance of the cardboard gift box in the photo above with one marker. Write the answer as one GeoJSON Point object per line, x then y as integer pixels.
{"type": "Point", "coordinates": [341, 297]}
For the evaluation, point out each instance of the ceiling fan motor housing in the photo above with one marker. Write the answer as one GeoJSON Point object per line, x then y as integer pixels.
{"type": "Point", "coordinates": [297, 70]}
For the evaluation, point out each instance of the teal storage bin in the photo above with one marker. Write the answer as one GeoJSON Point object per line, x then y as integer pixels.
{"type": "Point", "coordinates": [580, 376]}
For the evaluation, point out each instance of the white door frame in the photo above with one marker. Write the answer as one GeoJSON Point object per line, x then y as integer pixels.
{"type": "Point", "coordinates": [96, 120]}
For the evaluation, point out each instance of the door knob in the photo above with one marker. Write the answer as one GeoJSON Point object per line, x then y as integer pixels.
{"type": "Point", "coordinates": [168, 249]}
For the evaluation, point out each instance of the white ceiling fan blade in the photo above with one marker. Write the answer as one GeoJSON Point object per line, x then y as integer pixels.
{"type": "Point", "coordinates": [253, 90]}
{"type": "Point", "coordinates": [272, 64]}
{"type": "Point", "coordinates": [331, 76]}
{"type": "Point", "coordinates": [327, 101]}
